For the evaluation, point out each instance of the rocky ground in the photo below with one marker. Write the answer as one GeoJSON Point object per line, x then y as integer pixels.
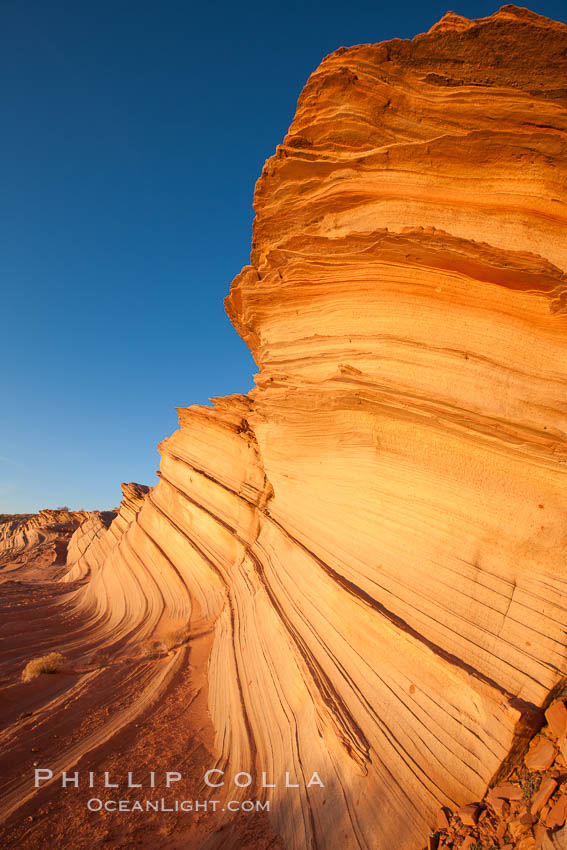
{"type": "Point", "coordinates": [527, 809]}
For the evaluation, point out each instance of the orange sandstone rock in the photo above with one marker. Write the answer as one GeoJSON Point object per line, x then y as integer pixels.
{"type": "Point", "coordinates": [374, 537]}
{"type": "Point", "coordinates": [406, 304]}
{"type": "Point", "coordinates": [25, 532]}
{"type": "Point", "coordinates": [556, 716]}
{"type": "Point", "coordinates": [507, 791]}
{"type": "Point", "coordinates": [469, 814]}
{"type": "Point", "coordinates": [539, 800]}
{"type": "Point", "coordinates": [540, 755]}
{"type": "Point", "coordinates": [558, 813]}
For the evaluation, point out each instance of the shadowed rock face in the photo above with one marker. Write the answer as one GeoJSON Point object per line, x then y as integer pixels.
{"type": "Point", "coordinates": [375, 535]}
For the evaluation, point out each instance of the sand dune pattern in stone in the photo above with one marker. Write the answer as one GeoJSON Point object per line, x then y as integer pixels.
{"type": "Point", "coordinates": [375, 535]}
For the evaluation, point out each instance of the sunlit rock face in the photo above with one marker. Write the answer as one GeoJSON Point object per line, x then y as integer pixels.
{"type": "Point", "coordinates": [24, 537]}
{"type": "Point", "coordinates": [376, 534]}
{"type": "Point", "coordinates": [97, 536]}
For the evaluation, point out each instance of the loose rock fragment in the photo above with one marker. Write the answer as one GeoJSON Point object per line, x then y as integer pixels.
{"type": "Point", "coordinates": [556, 716]}
{"type": "Point", "coordinates": [540, 755]}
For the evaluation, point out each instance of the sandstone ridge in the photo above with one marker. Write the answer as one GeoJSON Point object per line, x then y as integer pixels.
{"type": "Point", "coordinates": [373, 539]}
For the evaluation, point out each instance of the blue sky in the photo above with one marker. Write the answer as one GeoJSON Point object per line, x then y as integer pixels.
{"type": "Point", "coordinates": [132, 136]}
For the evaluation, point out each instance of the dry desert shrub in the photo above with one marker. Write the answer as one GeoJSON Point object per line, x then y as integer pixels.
{"type": "Point", "coordinates": [175, 637]}
{"type": "Point", "coordinates": [149, 649]}
{"type": "Point", "coordinates": [50, 663]}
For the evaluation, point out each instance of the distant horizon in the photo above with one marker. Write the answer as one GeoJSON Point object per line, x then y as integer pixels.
{"type": "Point", "coordinates": [133, 140]}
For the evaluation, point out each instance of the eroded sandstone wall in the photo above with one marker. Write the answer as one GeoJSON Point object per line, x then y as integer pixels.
{"type": "Point", "coordinates": [376, 534]}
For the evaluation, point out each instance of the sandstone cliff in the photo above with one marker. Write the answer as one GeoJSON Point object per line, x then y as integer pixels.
{"type": "Point", "coordinates": [375, 536]}
{"type": "Point", "coordinates": [42, 536]}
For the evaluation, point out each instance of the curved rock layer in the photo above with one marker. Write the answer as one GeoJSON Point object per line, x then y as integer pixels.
{"type": "Point", "coordinates": [376, 534]}
{"type": "Point", "coordinates": [38, 537]}
{"type": "Point", "coordinates": [28, 530]}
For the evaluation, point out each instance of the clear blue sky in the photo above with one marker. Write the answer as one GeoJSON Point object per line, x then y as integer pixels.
{"type": "Point", "coordinates": [132, 136]}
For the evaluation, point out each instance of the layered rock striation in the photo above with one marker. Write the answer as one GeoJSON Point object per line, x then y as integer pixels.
{"type": "Point", "coordinates": [43, 536]}
{"type": "Point", "coordinates": [406, 306]}
{"type": "Point", "coordinates": [375, 536]}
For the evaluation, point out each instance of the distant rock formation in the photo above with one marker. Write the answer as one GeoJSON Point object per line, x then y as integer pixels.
{"type": "Point", "coordinates": [376, 534]}
{"type": "Point", "coordinates": [46, 533]}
